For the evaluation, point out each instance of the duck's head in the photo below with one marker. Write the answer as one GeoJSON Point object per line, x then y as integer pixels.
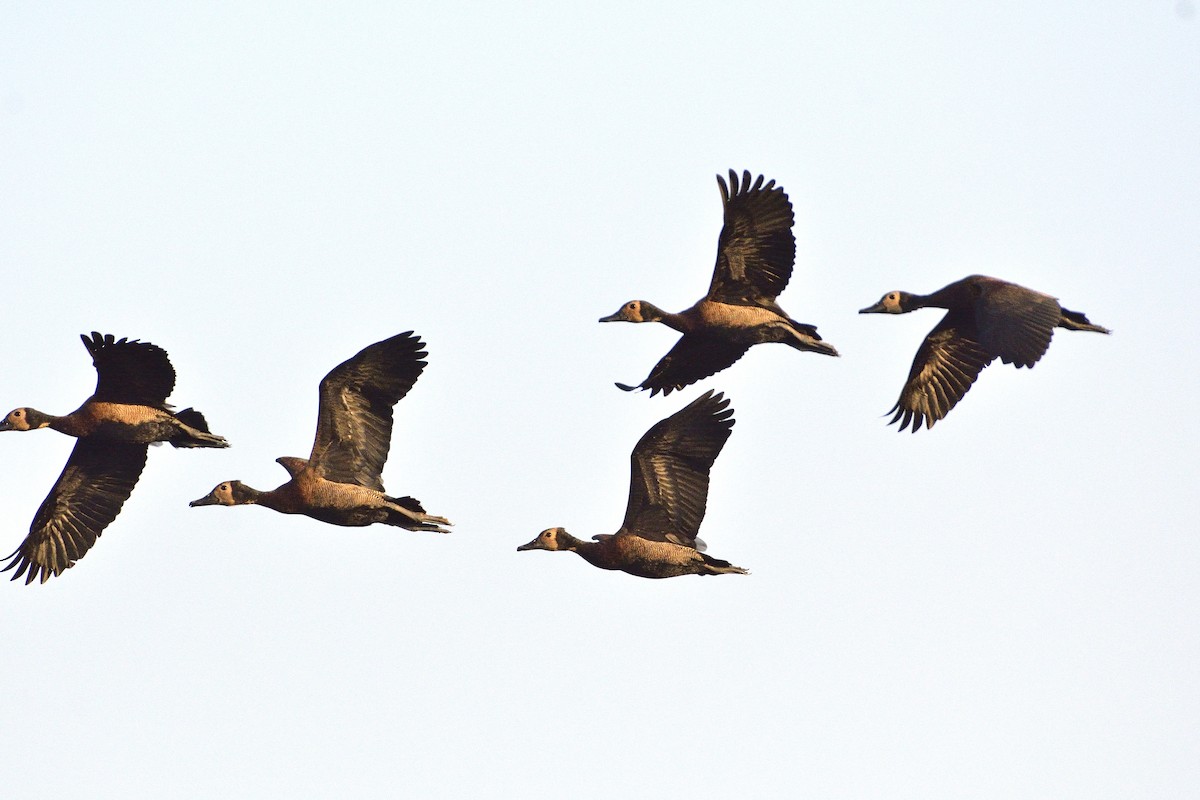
{"type": "Point", "coordinates": [24, 419]}
{"type": "Point", "coordinates": [227, 493]}
{"type": "Point", "coordinates": [635, 311]}
{"type": "Point", "coordinates": [891, 303]}
{"type": "Point", "coordinates": [550, 539]}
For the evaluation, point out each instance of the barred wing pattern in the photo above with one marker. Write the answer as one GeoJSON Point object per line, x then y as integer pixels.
{"type": "Point", "coordinates": [95, 483]}
{"type": "Point", "coordinates": [354, 424]}
{"type": "Point", "coordinates": [668, 489]}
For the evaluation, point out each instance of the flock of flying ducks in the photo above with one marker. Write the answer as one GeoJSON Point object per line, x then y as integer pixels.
{"type": "Point", "coordinates": [340, 481]}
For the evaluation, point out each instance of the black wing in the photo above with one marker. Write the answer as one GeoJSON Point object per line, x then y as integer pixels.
{"type": "Point", "coordinates": [757, 249]}
{"type": "Point", "coordinates": [693, 358]}
{"type": "Point", "coordinates": [668, 487]}
{"type": "Point", "coordinates": [133, 372]}
{"type": "Point", "coordinates": [1015, 323]}
{"type": "Point", "coordinates": [354, 424]}
{"type": "Point", "coordinates": [88, 495]}
{"type": "Point", "coordinates": [946, 364]}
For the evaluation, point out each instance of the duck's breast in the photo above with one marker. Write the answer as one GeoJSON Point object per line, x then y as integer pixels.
{"type": "Point", "coordinates": [122, 422]}
{"type": "Point", "coordinates": [652, 559]}
{"type": "Point", "coordinates": [710, 315]}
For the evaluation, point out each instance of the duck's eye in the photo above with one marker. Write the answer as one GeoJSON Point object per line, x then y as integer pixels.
{"type": "Point", "coordinates": [224, 487]}
{"type": "Point", "coordinates": [17, 413]}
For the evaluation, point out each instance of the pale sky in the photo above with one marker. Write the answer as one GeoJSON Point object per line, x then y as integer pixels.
{"type": "Point", "coordinates": [1005, 606]}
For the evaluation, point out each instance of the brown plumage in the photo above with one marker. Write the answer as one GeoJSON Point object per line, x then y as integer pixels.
{"type": "Point", "coordinates": [127, 412]}
{"type": "Point", "coordinates": [340, 482]}
{"type": "Point", "coordinates": [986, 318]}
{"type": "Point", "coordinates": [668, 492]}
{"type": "Point", "coordinates": [755, 255]}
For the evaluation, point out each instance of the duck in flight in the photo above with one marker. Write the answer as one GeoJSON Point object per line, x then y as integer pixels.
{"type": "Point", "coordinates": [986, 318]}
{"type": "Point", "coordinates": [340, 482]}
{"type": "Point", "coordinates": [127, 413]}
{"type": "Point", "coordinates": [668, 492]}
{"type": "Point", "coordinates": [755, 254]}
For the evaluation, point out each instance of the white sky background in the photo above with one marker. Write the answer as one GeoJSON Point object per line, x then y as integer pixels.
{"type": "Point", "coordinates": [1003, 607]}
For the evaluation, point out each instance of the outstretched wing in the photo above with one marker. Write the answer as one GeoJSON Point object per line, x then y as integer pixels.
{"type": "Point", "coordinates": [354, 424]}
{"type": "Point", "coordinates": [757, 249]}
{"type": "Point", "coordinates": [88, 495]}
{"type": "Point", "coordinates": [946, 364]}
{"type": "Point", "coordinates": [694, 357]}
{"type": "Point", "coordinates": [668, 486]}
{"type": "Point", "coordinates": [133, 372]}
{"type": "Point", "coordinates": [1015, 323]}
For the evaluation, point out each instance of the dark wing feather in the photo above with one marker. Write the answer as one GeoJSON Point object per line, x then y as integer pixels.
{"type": "Point", "coordinates": [757, 249]}
{"type": "Point", "coordinates": [1015, 324]}
{"type": "Point", "coordinates": [88, 495]}
{"type": "Point", "coordinates": [354, 424]}
{"type": "Point", "coordinates": [693, 358]}
{"type": "Point", "coordinates": [946, 364]}
{"type": "Point", "coordinates": [668, 487]}
{"type": "Point", "coordinates": [138, 373]}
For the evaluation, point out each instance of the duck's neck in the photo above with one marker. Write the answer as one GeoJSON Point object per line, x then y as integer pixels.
{"type": "Point", "coordinates": [569, 542]}
{"type": "Point", "coordinates": [914, 301]}
{"type": "Point", "coordinates": [593, 553]}
{"type": "Point", "coordinates": [249, 496]}
{"type": "Point", "coordinates": [599, 554]}
{"type": "Point", "coordinates": [676, 321]}
{"type": "Point", "coordinates": [958, 294]}
{"type": "Point", "coordinates": [653, 313]}
{"type": "Point", "coordinates": [588, 550]}
{"type": "Point", "coordinates": [68, 424]}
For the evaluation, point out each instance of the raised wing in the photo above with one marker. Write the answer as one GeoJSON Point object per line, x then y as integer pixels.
{"type": "Point", "coordinates": [757, 249]}
{"type": "Point", "coordinates": [1015, 324]}
{"type": "Point", "coordinates": [946, 364]}
{"type": "Point", "coordinates": [693, 358]}
{"type": "Point", "coordinates": [354, 424]}
{"type": "Point", "coordinates": [127, 371]}
{"type": "Point", "coordinates": [668, 486]}
{"type": "Point", "coordinates": [88, 495]}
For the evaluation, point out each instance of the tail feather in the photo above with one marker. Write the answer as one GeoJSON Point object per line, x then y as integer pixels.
{"type": "Point", "coordinates": [805, 328]}
{"type": "Point", "coordinates": [411, 516]}
{"type": "Point", "coordinates": [411, 503]}
{"type": "Point", "coordinates": [197, 434]}
{"type": "Point", "coordinates": [823, 348]}
{"type": "Point", "coordinates": [805, 337]}
{"type": "Point", "coordinates": [720, 566]}
{"type": "Point", "coordinates": [193, 419]}
{"type": "Point", "coordinates": [1075, 321]}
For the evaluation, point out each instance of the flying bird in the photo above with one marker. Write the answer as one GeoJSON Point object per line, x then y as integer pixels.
{"type": "Point", "coordinates": [986, 318]}
{"type": "Point", "coordinates": [668, 492]}
{"type": "Point", "coordinates": [340, 482]}
{"type": "Point", "coordinates": [127, 413]}
{"type": "Point", "coordinates": [755, 254]}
